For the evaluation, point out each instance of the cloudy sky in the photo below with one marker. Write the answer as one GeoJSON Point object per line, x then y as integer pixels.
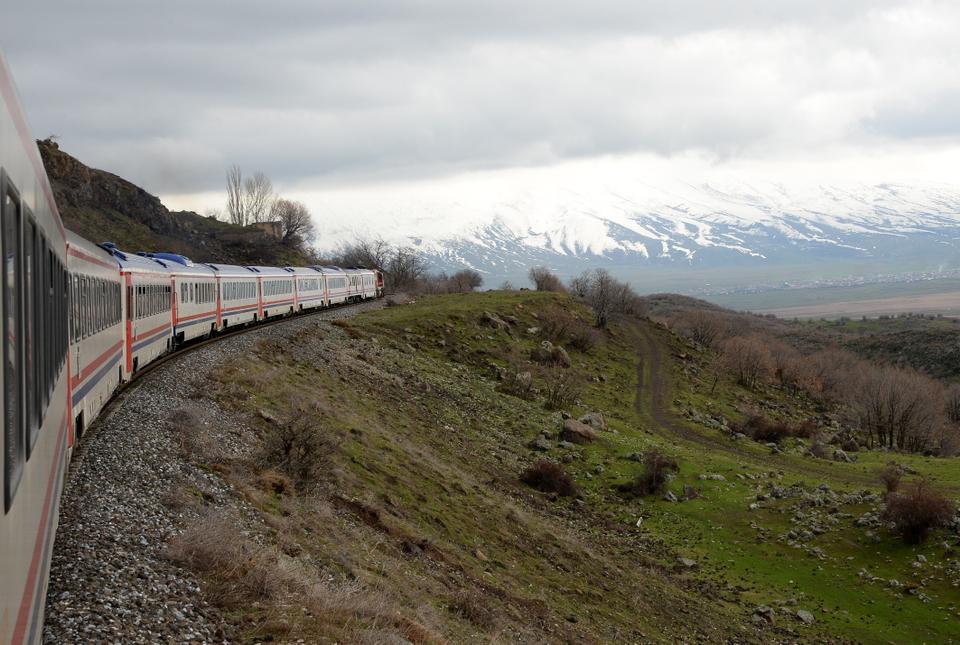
{"type": "Point", "coordinates": [349, 103]}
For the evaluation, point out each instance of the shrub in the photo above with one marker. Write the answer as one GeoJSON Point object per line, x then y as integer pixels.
{"type": "Point", "coordinates": [298, 448]}
{"type": "Point", "coordinates": [655, 475]}
{"type": "Point", "coordinates": [515, 380]}
{"type": "Point", "coordinates": [917, 509]}
{"type": "Point", "coordinates": [544, 279]}
{"type": "Point", "coordinates": [747, 359]}
{"type": "Point", "coordinates": [764, 430]}
{"type": "Point", "coordinates": [556, 323]}
{"type": "Point", "coordinates": [583, 338]}
{"type": "Point", "coordinates": [561, 388]}
{"type": "Point", "coordinates": [549, 477]}
{"type": "Point", "coordinates": [890, 475]}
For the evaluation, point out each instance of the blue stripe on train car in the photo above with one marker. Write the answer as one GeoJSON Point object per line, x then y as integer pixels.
{"type": "Point", "coordinates": [194, 322]}
{"type": "Point", "coordinates": [158, 336]}
{"type": "Point", "coordinates": [90, 383]}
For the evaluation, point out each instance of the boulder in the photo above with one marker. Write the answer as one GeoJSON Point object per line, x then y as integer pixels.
{"type": "Point", "coordinates": [805, 616]}
{"type": "Point", "coordinates": [576, 432]}
{"type": "Point", "coordinates": [764, 614]}
{"type": "Point", "coordinates": [495, 321]}
{"type": "Point", "coordinates": [594, 420]}
{"type": "Point", "coordinates": [540, 444]}
{"type": "Point", "coordinates": [687, 563]}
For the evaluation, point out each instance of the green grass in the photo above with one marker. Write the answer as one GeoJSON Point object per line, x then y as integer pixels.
{"type": "Point", "coordinates": [432, 445]}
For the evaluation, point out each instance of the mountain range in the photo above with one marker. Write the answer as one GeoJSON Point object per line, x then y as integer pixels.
{"type": "Point", "coordinates": [684, 225]}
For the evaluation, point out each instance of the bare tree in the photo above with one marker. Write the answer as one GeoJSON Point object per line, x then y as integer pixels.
{"type": "Point", "coordinates": [404, 268]}
{"type": "Point", "coordinates": [466, 280]}
{"type": "Point", "coordinates": [364, 252]}
{"type": "Point", "coordinates": [701, 326]}
{"type": "Point", "coordinates": [258, 197]}
{"type": "Point", "coordinates": [605, 295]}
{"type": "Point", "coordinates": [898, 408]}
{"type": "Point", "coordinates": [952, 404]}
{"type": "Point", "coordinates": [544, 279]}
{"type": "Point", "coordinates": [296, 224]}
{"type": "Point", "coordinates": [746, 358]}
{"type": "Point", "coordinates": [236, 210]}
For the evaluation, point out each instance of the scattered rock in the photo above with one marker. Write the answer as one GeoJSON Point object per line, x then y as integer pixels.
{"type": "Point", "coordinates": [805, 616]}
{"type": "Point", "coordinates": [687, 563]}
{"type": "Point", "coordinates": [764, 615]}
{"type": "Point", "coordinates": [594, 420]}
{"type": "Point", "coordinates": [577, 432]}
{"type": "Point", "coordinates": [540, 444]}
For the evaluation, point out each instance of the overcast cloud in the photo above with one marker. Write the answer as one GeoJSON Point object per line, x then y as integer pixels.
{"type": "Point", "coordinates": [322, 95]}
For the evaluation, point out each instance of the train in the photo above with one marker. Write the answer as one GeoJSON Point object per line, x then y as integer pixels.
{"type": "Point", "coordinates": [82, 319]}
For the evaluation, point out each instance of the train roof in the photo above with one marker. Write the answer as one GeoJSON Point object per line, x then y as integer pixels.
{"type": "Point", "coordinates": [231, 270]}
{"type": "Point", "coordinates": [134, 262]}
{"type": "Point", "coordinates": [93, 251]}
{"type": "Point", "coordinates": [271, 271]}
{"type": "Point", "coordinates": [178, 264]}
{"type": "Point", "coordinates": [327, 269]}
{"type": "Point", "coordinates": [302, 270]}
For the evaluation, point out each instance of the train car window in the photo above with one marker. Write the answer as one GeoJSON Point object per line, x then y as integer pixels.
{"type": "Point", "coordinates": [12, 435]}
{"type": "Point", "coordinates": [28, 302]}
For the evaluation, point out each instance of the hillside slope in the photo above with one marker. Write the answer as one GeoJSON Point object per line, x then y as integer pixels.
{"type": "Point", "coordinates": [417, 502]}
{"type": "Point", "coordinates": [103, 207]}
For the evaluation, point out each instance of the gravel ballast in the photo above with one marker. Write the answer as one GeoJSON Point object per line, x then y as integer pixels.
{"type": "Point", "coordinates": [109, 579]}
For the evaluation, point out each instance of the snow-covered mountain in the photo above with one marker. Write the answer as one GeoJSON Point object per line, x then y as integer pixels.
{"type": "Point", "coordinates": [702, 225]}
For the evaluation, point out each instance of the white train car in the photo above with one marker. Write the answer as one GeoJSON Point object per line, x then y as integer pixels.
{"type": "Point", "coordinates": [195, 297]}
{"type": "Point", "coordinates": [96, 329]}
{"type": "Point", "coordinates": [363, 284]}
{"type": "Point", "coordinates": [239, 295]}
{"type": "Point", "coordinates": [335, 286]}
{"type": "Point", "coordinates": [34, 373]}
{"type": "Point", "coordinates": [307, 288]}
{"type": "Point", "coordinates": [276, 291]}
{"type": "Point", "coordinates": [147, 307]}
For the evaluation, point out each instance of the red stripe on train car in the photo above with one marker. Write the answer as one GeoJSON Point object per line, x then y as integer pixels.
{"type": "Point", "coordinates": [19, 630]}
{"type": "Point", "coordinates": [77, 253]}
{"type": "Point", "coordinates": [89, 369]}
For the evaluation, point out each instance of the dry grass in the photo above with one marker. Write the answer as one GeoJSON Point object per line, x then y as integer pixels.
{"type": "Point", "coordinates": [294, 599]}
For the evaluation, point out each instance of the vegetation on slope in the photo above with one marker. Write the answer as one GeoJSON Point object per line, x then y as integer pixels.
{"type": "Point", "coordinates": [102, 207]}
{"type": "Point", "coordinates": [428, 418]}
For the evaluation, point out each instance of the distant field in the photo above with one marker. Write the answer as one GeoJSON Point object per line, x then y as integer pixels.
{"type": "Point", "coordinates": [931, 296]}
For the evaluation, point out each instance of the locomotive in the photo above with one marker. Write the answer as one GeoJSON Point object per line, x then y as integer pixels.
{"type": "Point", "coordinates": [80, 320]}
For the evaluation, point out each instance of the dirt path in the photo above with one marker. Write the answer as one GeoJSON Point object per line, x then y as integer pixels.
{"type": "Point", "coordinates": [652, 391]}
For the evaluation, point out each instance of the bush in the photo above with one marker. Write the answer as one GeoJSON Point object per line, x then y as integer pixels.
{"type": "Point", "coordinates": [916, 510]}
{"type": "Point", "coordinates": [561, 388]}
{"type": "Point", "coordinates": [890, 475]}
{"type": "Point", "coordinates": [583, 338]}
{"type": "Point", "coordinates": [298, 448]}
{"type": "Point", "coordinates": [764, 430]}
{"type": "Point", "coordinates": [655, 475]}
{"type": "Point", "coordinates": [557, 323]}
{"type": "Point", "coordinates": [544, 279]}
{"type": "Point", "coordinates": [549, 477]}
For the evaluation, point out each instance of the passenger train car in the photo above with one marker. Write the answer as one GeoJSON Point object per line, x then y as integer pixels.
{"type": "Point", "coordinates": [80, 320]}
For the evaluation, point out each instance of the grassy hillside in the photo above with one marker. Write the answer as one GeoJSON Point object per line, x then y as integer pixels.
{"type": "Point", "coordinates": [105, 208]}
{"type": "Point", "coordinates": [418, 501]}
